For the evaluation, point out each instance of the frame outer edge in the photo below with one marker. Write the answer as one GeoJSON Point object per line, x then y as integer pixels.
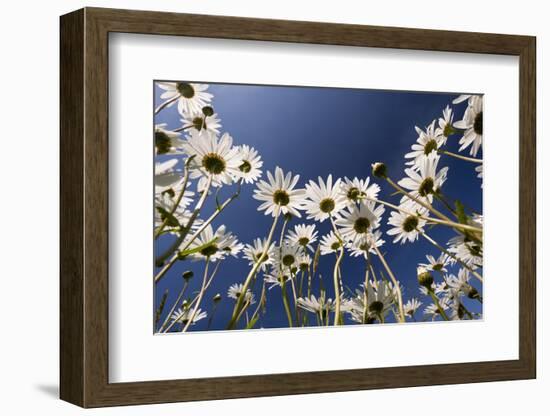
{"type": "Point", "coordinates": [72, 342]}
{"type": "Point", "coordinates": [84, 204]}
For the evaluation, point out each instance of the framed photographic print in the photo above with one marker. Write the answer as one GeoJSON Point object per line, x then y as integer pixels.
{"type": "Point", "coordinates": [260, 207]}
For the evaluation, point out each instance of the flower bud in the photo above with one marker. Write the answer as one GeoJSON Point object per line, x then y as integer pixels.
{"type": "Point", "coordinates": [379, 170]}
{"type": "Point", "coordinates": [187, 275]}
{"type": "Point", "coordinates": [217, 297]}
{"type": "Point", "coordinates": [425, 278]}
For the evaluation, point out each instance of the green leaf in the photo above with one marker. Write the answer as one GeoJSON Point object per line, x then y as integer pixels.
{"type": "Point", "coordinates": [252, 322]}
{"type": "Point", "coordinates": [461, 214]}
{"type": "Point", "coordinates": [185, 253]}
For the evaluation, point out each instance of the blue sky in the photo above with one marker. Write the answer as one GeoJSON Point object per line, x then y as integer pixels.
{"type": "Point", "coordinates": [316, 132]}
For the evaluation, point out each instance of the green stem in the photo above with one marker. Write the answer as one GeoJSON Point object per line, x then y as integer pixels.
{"type": "Point", "coordinates": [252, 273]}
{"type": "Point", "coordinates": [447, 252]}
{"type": "Point", "coordinates": [395, 283]}
{"type": "Point", "coordinates": [199, 298]}
{"type": "Point", "coordinates": [455, 155]}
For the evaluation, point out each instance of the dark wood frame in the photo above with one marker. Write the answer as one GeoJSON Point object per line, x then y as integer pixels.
{"type": "Point", "coordinates": [84, 207]}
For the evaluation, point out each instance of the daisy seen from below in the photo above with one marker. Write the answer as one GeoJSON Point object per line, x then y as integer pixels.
{"type": "Point", "coordinates": [183, 316]}
{"type": "Point", "coordinates": [236, 289]}
{"type": "Point", "coordinates": [191, 98]}
{"type": "Point", "coordinates": [440, 264]}
{"type": "Point", "coordinates": [286, 257]}
{"type": "Point", "coordinates": [426, 181]}
{"type": "Point", "coordinates": [212, 157]}
{"type": "Point", "coordinates": [213, 246]}
{"type": "Point", "coordinates": [166, 141]}
{"type": "Point", "coordinates": [323, 199]}
{"type": "Point", "coordinates": [250, 164]}
{"type": "Point", "coordinates": [427, 142]}
{"type": "Point", "coordinates": [356, 190]}
{"type": "Point", "coordinates": [468, 251]}
{"type": "Point", "coordinates": [254, 252]}
{"type": "Point", "coordinates": [411, 306]}
{"type": "Point", "coordinates": [472, 124]}
{"type": "Point", "coordinates": [303, 235]}
{"type": "Point", "coordinates": [407, 223]}
{"type": "Point", "coordinates": [279, 194]}
{"type": "Point", "coordinates": [330, 243]}
{"type": "Point", "coordinates": [317, 305]}
{"type": "Point", "coordinates": [356, 221]}
{"type": "Point", "coordinates": [166, 175]}
{"type": "Point", "coordinates": [365, 245]}
{"type": "Point", "coordinates": [201, 122]}
{"type": "Point", "coordinates": [445, 123]}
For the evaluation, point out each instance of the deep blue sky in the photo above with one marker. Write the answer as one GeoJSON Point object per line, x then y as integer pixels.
{"type": "Point", "coordinates": [316, 132]}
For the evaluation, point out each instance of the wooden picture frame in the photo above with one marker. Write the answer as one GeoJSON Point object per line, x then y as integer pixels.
{"type": "Point", "coordinates": [84, 207]}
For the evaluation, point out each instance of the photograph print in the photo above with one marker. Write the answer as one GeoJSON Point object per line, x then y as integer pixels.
{"type": "Point", "coordinates": [292, 207]}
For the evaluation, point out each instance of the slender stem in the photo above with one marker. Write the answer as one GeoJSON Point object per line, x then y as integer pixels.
{"type": "Point", "coordinates": [166, 104]}
{"type": "Point", "coordinates": [176, 303]}
{"type": "Point", "coordinates": [199, 298]}
{"type": "Point", "coordinates": [430, 219]}
{"type": "Point", "coordinates": [395, 283]}
{"type": "Point", "coordinates": [467, 159]}
{"type": "Point", "coordinates": [182, 128]}
{"type": "Point", "coordinates": [175, 245]}
{"type": "Point", "coordinates": [439, 308]}
{"type": "Point", "coordinates": [447, 252]}
{"type": "Point", "coordinates": [418, 201]}
{"type": "Point", "coordinates": [441, 199]}
{"type": "Point", "coordinates": [159, 230]}
{"type": "Point", "coordinates": [335, 274]}
{"type": "Point", "coordinates": [286, 304]}
{"type": "Point", "coordinates": [252, 273]}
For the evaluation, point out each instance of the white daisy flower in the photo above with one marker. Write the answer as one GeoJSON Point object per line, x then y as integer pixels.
{"type": "Point", "coordinates": [191, 98]}
{"type": "Point", "coordinates": [472, 124]}
{"type": "Point", "coordinates": [213, 156]}
{"type": "Point", "coordinates": [277, 277]}
{"type": "Point", "coordinates": [316, 305]}
{"type": "Point", "coordinates": [303, 262]}
{"type": "Point", "coordinates": [251, 162]}
{"type": "Point", "coordinates": [426, 181]}
{"type": "Point", "coordinates": [433, 311]}
{"type": "Point", "coordinates": [182, 316]}
{"type": "Point", "coordinates": [202, 123]}
{"type": "Point", "coordinates": [279, 194]}
{"type": "Point", "coordinates": [462, 98]}
{"type": "Point", "coordinates": [286, 257]}
{"type": "Point", "coordinates": [407, 223]}
{"type": "Point", "coordinates": [166, 141]}
{"type": "Point", "coordinates": [323, 200]}
{"type": "Point", "coordinates": [164, 204]}
{"type": "Point", "coordinates": [235, 291]}
{"type": "Point", "coordinates": [330, 243]}
{"type": "Point", "coordinates": [468, 251]}
{"type": "Point", "coordinates": [358, 220]}
{"type": "Point", "coordinates": [375, 305]}
{"type": "Point", "coordinates": [365, 244]}
{"type": "Point", "coordinates": [166, 175]}
{"type": "Point", "coordinates": [479, 170]}
{"type": "Point", "coordinates": [219, 249]}
{"type": "Point", "coordinates": [355, 190]}
{"type": "Point", "coordinates": [254, 251]}
{"type": "Point", "coordinates": [445, 123]}
{"type": "Point", "coordinates": [411, 306]}
{"type": "Point", "coordinates": [302, 235]}
{"type": "Point", "coordinates": [440, 264]}
{"type": "Point", "coordinates": [427, 142]}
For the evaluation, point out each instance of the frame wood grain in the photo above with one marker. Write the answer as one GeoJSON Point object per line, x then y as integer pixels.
{"type": "Point", "coordinates": [84, 207]}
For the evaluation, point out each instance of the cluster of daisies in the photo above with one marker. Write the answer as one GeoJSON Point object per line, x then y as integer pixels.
{"type": "Point", "coordinates": [333, 217]}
